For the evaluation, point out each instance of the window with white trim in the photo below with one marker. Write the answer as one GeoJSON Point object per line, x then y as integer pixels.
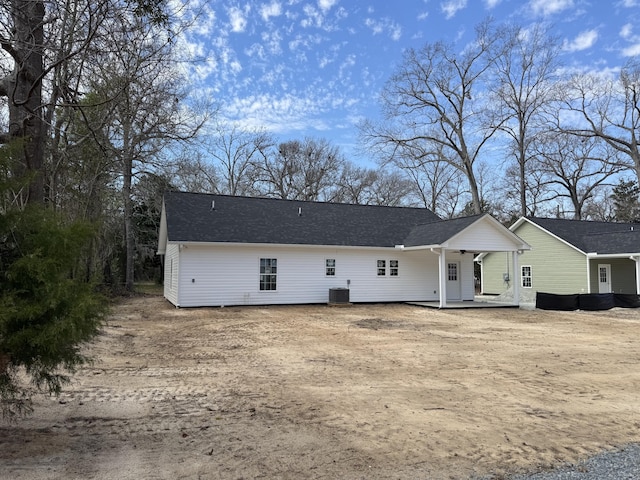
{"type": "Point", "coordinates": [268, 273]}
{"type": "Point", "coordinates": [393, 268]}
{"type": "Point", "coordinates": [330, 267]}
{"type": "Point", "coordinates": [527, 280]}
{"type": "Point", "coordinates": [382, 268]}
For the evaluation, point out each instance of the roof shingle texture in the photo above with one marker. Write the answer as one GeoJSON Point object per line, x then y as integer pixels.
{"type": "Point", "coordinates": [191, 218]}
{"type": "Point", "coordinates": [595, 237]}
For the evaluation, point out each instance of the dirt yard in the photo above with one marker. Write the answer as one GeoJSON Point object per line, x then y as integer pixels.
{"type": "Point", "coordinates": [319, 392]}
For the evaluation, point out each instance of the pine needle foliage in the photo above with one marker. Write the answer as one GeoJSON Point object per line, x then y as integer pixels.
{"type": "Point", "coordinates": [48, 313]}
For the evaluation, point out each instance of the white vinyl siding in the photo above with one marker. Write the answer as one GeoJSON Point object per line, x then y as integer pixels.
{"type": "Point", "coordinates": [227, 275]}
{"type": "Point", "coordinates": [171, 272]}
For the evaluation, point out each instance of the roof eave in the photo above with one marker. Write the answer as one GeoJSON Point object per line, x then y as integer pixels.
{"type": "Point", "coordinates": [278, 245]}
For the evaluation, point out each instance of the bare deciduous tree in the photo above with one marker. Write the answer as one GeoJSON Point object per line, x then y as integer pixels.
{"type": "Point", "coordinates": [236, 154]}
{"type": "Point", "coordinates": [307, 170]}
{"type": "Point", "coordinates": [608, 109]}
{"type": "Point", "coordinates": [429, 105]}
{"type": "Point", "coordinates": [142, 93]}
{"type": "Point", "coordinates": [524, 66]}
{"type": "Point", "coordinates": [576, 169]}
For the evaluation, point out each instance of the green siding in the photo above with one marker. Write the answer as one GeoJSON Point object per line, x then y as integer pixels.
{"type": "Point", "coordinates": [623, 274]}
{"type": "Point", "coordinates": [493, 266]}
{"type": "Point", "coordinates": [556, 267]}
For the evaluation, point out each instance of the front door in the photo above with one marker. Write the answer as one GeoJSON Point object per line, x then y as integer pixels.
{"type": "Point", "coordinates": [453, 281]}
{"type": "Point", "coordinates": [604, 278]}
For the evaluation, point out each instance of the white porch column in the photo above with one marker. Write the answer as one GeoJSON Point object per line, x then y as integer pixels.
{"type": "Point", "coordinates": [442, 274]}
{"type": "Point", "coordinates": [637, 259]}
{"type": "Point", "coordinates": [516, 278]}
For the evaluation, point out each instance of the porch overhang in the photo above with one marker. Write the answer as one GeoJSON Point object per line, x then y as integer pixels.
{"type": "Point", "coordinates": [473, 235]}
{"type": "Point", "coordinates": [635, 257]}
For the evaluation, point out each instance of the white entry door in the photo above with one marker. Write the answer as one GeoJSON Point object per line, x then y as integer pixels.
{"type": "Point", "coordinates": [453, 281]}
{"type": "Point", "coordinates": [604, 278]}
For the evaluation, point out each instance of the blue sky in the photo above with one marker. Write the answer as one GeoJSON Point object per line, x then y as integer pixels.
{"type": "Point", "coordinates": [314, 68]}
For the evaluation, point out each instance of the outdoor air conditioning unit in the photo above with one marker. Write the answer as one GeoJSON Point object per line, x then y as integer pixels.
{"type": "Point", "coordinates": [338, 296]}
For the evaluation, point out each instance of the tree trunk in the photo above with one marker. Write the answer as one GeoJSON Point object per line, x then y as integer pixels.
{"type": "Point", "coordinates": [129, 237]}
{"type": "Point", "coordinates": [25, 92]}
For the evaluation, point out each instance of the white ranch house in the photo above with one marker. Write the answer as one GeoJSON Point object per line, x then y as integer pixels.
{"type": "Point", "coordinates": [223, 250]}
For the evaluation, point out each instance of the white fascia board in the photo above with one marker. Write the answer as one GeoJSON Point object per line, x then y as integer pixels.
{"type": "Point", "coordinates": [420, 247]}
{"type": "Point", "coordinates": [278, 245]}
{"type": "Point", "coordinates": [604, 256]}
{"type": "Point", "coordinates": [162, 232]}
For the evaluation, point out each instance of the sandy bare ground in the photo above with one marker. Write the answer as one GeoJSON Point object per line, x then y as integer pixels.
{"type": "Point", "coordinates": [367, 391]}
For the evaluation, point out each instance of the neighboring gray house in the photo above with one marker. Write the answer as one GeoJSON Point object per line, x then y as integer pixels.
{"type": "Point", "coordinates": [224, 250]}
{"type": "Point", "coordinates": [567, 257]}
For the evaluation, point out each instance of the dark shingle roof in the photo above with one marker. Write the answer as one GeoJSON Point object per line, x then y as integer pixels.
{"type": "Point", "coordinates": [594, 237]}
{"type": "Point", "coordinates": [437, 234]}
{"type": "Point", "coordinates": [619, 242]}
{"type": "Point", "coordinates": [190, 218]}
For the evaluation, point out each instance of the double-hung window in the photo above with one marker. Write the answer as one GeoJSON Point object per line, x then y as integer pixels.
{"type": "Point", "coordinates": [393, 268]}
{"type": "Point", "coordinates": [526, 276]}
{"type": "Point", "coordinates": [268, 273]}
{"type": "Point", "coordinates": [330, 267]}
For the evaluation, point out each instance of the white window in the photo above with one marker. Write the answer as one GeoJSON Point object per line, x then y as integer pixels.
{"type": "Point", "coordinates": [452, 270]}
{"type": "Point", "coordinates": [527, 281]}
{"type": "Point", "coordinates": [393, 268]}
{"type": "Point", "coordinates": [382, 268]}
{"type": "Point", "coordinates": [330, 267]}
{"type": "Point", "coordinates": [268, 273]}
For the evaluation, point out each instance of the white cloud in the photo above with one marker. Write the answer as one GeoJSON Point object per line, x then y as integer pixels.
{"type": "Point", "coordinates": [630, 3]}
{"type": "Point", "coordinates": [272, 39]}
{"type": "Point", "coordinates": [393, 29]}
{"type": "Point", "coordinates": [632, 50]}
{"type": "Point", "coordinates": [451, 7]}
{"type": "Point", "coordinates": [268, 10]}
{"type": "Point", "coordinates": [549, 7]}
{"type": "Point", "coordinates": [347, 65]}
{"type": "Point", "coordinates": [278, 114]}
{"type": "Point", "coordinates": [491, 3]}
{"type": "Point", "coordinates": [626, 31]}
{"type": "Point", "coordinates": [238, 19]}
{"type": "Point", "coordinates": [583, 41]}
{"type": "Point", "coordinates": [314, 17]}
{"type": "Point", "coordinates": [326, 5]}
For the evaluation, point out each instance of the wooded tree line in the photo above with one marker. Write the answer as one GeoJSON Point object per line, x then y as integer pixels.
{"type": "Point", "coordinates": [522, 133]}
{"type": "Point", "coordinates": [97, 122]}
{"type": "Point", "coordinates": [498, 126]}
{"type": "Point", "coordinates": [96, 94]}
